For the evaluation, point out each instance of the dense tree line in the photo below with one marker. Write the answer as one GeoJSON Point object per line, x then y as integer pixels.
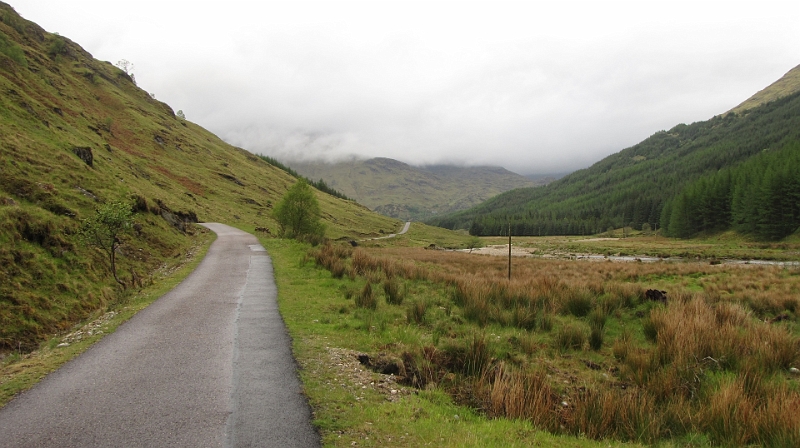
{"type": "Point", "coordinates": [760, 197]}
{"type": "Point", "coordinates": [633, 187]}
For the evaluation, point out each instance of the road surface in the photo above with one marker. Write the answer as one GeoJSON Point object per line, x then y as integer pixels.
{"type": "Point", "coordinates": [208, 364]}
{"type": "Point", "coordinates": [392, 235]}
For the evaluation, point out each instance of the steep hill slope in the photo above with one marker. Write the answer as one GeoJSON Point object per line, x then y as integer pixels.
{"type": "Point", "coordinates": [787, 85]}
{"type": "Point", "coordinates": [632, 186]}
{"type": "Point", "coordinates": [76, 132]}
{"type": "Point", "coordinates": [407, 192]}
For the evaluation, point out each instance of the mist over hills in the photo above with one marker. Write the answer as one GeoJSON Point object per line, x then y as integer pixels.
{"type": "Point", "coordinates": [407, 192]}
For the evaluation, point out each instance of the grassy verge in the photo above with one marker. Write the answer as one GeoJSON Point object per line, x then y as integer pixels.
{"type": "Point", "coordinates": [354, 406]}
{"type": "Point", "coordinates": [19, 372]}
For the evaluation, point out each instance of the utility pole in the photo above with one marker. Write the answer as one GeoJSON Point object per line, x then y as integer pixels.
{"type": "Point", "coordinates": [509, 251]}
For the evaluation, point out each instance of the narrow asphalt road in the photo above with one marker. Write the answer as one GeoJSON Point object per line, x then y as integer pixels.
{"type": "Point", "coordinates": [392, 235]}
{"type": "Point", "coordinates": [208, 364]}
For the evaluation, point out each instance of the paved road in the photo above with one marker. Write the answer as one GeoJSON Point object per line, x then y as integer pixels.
{"type": "Point", "coordinates": [392, 235]}
{"type": "Point", "coordinates": [208, 364]}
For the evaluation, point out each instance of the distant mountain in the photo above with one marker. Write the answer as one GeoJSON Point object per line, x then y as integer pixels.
{"type": "Point", "coordinates": [545, 179]}
{"type": "Point", "coordinates": [407, 192]}
{"type": "Point", "coordinates": [633, 186]}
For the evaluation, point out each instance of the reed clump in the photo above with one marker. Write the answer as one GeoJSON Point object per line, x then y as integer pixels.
{"type": "Point", "coordinates": [366, 298]}
{"type": "Point", "coordinates": [393, 291]}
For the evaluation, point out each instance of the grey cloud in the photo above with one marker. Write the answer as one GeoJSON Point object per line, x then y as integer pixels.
{"type": "Point", "coordinates": [532, 86]}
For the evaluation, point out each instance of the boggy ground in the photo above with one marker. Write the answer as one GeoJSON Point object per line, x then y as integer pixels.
{"type": "Point", "coordinates": [575, 347]}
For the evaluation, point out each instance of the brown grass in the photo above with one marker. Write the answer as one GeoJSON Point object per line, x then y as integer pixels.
{"type": "Point", "coordinates": [708, 361]}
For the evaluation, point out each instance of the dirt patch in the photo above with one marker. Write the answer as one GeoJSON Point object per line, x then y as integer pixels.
{"type": "Point", "coordinates": [98, 326]}
{"type": "Point", "coordinates": [352, 375]}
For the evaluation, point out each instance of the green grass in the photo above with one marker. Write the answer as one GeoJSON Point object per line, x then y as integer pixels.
{"type": "Point", "coordinates": [611, 340]}
{"type": "Point", "coordinates": [320, 317]}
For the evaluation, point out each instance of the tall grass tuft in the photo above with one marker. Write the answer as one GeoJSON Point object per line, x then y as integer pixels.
{"type": "Point", "coordinates": [478, 355]}
{"type": "Point", "coordinates": [776, 421]}
{"type": "Point", "coordinates": [363, 263]}
{"type": "Point", "coordinates": [366, 298]}
{"type": "Point", "coordinates": [728, 415]}
{"type": "Point", "coordinates": [524, 317]}
{"type": "Point", "coordinates": [338, 269]}
{"type": "Point", "coordinates": [546, 321]}
{"type": "Point", "coordinates": [392, 290]}
{"type": "Point", "coordinates": [597, 324]}
{"type": "Point", "coordinates": [579, 302]}
{"type": "Point", "coordinates": [596, 335]}
{"type": "Point", "coordinates": [415, 313]}
{"type": "Point", "coordinates": [617, 414]}
{"type": "Point", "coordinates": [512, 393]}
{"type": "Point", "coordinates": [569, 337]}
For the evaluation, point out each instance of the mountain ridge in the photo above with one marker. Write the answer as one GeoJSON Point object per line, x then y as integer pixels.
{"type": "Point", "coordinates": [408, 192]}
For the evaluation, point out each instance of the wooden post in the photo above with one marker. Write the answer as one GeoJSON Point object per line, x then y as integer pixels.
{"type": "Point", "coordinates": [509, 251]}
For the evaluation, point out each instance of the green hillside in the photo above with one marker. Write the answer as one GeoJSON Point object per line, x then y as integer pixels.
{"type": "Point", "coordinates": [788, 84]}
{"type": "Point", "coordinates": [631, 187]}
{"type": "Point", "coordinates": [76, 133]}
{"type": "Point", "coordinates": [408, 192]}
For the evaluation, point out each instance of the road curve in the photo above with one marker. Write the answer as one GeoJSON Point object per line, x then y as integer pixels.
{"type": "Point", "coordinates": [208, 364]}
{"type": "Point", "coordinates": [405, 228]}
{"type": "Point", "coordinates": [392, 235]}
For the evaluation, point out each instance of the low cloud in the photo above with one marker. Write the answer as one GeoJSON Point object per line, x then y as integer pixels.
{"type": "Point", "coordinates": [534, 87]}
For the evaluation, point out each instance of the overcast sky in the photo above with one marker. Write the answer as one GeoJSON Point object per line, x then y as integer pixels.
{"type": "Point", "coordinates": [535, 87]}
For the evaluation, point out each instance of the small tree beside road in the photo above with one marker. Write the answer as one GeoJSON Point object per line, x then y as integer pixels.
{"type": "Point", "coordinates": [103, 229]}
{"type": "Point", "coordinates": [298, 214]}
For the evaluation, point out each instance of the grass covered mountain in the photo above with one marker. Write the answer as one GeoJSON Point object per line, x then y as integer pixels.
{"type": "Point", "coordinates": [788, 84]}
{"type": "Point", "coordinates": [407, 192]}
{"type": "Point", "coordinates": [634, 186]}
{"type": "Point", "coordinates": [75, 133]}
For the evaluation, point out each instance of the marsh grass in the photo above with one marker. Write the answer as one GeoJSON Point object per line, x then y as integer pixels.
{"type": "Point", "coordinates": [707, 365]}
{"type": "Point", "coordinates": [416, 312]}
{"type": "Point", "coordinates": [571, 336]}
{"type": "Point", "coordinates": [366, 297]}
{"type": "Point", "coordinates": [393, 291]}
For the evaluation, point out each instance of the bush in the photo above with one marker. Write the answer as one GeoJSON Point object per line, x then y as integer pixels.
{"type": "Point", "coordinates": [298, 214]}
{"type": "Point", "coordinates": [104, 228]}
{"type": "Point", "coordinates": [13, 51]}
{"type": "Point", "coordinates": [57, 46]}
